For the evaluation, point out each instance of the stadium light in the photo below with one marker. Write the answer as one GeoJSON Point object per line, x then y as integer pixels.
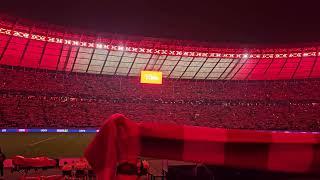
{"type": "Point", "coordinates": [120, 48]}
{"type": "Point", "coordinates": [100, 45]}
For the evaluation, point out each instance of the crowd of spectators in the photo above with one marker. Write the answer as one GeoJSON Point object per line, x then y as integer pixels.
{"type": "Point", "coordinates": [122, 86]}
{"type": "Point", "coordinates": [51, 99]}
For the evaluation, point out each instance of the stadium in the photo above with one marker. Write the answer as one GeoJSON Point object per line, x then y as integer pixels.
{"type": "Point", "coordinates": [58, 86]}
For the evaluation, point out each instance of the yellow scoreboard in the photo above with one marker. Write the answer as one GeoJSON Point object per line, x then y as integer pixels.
{"type": "Point", "coordinates": [151, 77]}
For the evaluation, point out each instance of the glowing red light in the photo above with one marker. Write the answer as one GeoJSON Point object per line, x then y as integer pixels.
{"type": "Point", "coordinates": [101, 45]}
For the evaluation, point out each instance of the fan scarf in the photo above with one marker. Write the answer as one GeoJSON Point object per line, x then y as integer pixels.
{"type": "Point", "coordinates": [122, 140]}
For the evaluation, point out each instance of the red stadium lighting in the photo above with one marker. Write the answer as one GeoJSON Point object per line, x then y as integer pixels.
{"type": "Point", "coordinates": [101, 45]}
{"type": "Point", "coordinates": [151, 77]}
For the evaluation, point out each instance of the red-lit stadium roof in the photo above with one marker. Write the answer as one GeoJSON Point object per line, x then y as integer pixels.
{"type": "Point", "coordinates": [49, 47]}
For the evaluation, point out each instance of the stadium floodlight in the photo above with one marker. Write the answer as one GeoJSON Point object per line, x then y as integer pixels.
{"type": "Point", "coordinates": [120, 48]}
{"type": "Point", "coordinates": [245, 55]}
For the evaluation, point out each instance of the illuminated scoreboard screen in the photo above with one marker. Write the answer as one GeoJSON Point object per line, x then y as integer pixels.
{"type": "Point", "coordinates": [151, 77]}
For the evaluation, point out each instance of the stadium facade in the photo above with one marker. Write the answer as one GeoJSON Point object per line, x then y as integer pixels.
{"type": "Point", "coordinates": [34, 45]}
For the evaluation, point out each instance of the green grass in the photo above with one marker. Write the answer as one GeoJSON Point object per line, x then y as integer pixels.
{"type": "Point", "coordinates": [53, 145]}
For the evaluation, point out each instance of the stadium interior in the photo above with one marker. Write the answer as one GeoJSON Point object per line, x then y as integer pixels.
{"type": "Point", "coordinates": [53, 77]}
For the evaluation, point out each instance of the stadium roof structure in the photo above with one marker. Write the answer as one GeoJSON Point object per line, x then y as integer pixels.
{"type": "Point", "coordinates": [42, 46]}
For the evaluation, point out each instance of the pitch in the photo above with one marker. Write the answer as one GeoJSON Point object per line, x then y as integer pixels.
{"type": "Point", "coordinates": [54, 145]}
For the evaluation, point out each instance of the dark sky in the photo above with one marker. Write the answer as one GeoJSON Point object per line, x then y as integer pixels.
{"type": "Point", "coordinates": [259, 21]}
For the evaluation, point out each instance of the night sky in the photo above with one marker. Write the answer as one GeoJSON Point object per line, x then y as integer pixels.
{"type": "Point", "coordinates": [259, 21]}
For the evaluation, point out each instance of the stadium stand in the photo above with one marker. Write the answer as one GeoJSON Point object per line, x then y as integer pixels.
{"type": "Point", "coordinates": [51, 76]}
{"type": "Point", "coordinates": [32, 98]}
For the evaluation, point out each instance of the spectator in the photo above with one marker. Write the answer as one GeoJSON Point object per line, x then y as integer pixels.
{"type": "Point", "coordinates": [2, 158]}
{"type": "Point", "coordinates": [66, 170]}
